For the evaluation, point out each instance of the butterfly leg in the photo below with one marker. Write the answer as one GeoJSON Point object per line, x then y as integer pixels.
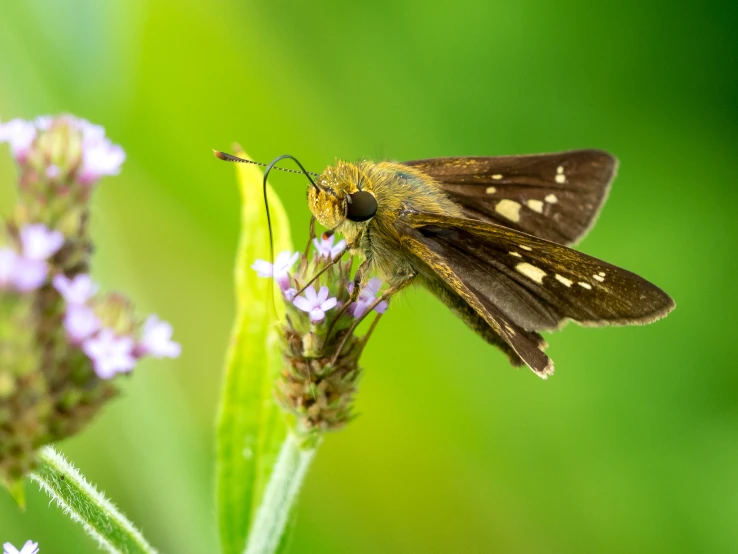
{"type": "Point", "coordinates": [311, 236]}
{"type": "Point", "coordinates": [385, 296]}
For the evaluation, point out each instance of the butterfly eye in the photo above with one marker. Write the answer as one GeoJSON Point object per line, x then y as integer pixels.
{"type": "Point", "coordinates": [361, 206]}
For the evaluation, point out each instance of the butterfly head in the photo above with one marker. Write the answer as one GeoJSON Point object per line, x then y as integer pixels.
{"type": "Point", "coordinates": [340, 195]}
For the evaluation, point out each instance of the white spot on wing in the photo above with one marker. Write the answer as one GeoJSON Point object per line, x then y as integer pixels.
{"type": "Point", "coordinates": [531, 272]}
{"type": "Point", "coordinates": [536, 205]}
{"type": "Point", "coordinates": [561, 178]}
{"type": "Point", "coordinates": [563, 280]}
{"type": "Point", "coordinates": [509, 209]}
{"type": "Point", "coordinates": [551, 199]}
{"type": "Point", "coordinates": [497, 177]}
{"type": "Point", "coordinates": [516, 254]}
{"type": "Point", "coordinates": [491, 190]}
{"type": "Point", "coordinates": [598, 278]}
{"type": "Point", "coordinates": [602, 273]}
{"type": "Point", "coordinates": [528, 248]}
{"type": "Point", "coordinates": [585, 285]}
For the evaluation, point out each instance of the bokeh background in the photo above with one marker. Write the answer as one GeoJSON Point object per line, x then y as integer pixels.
{"type": "Point", "coordinates": [631, 447]}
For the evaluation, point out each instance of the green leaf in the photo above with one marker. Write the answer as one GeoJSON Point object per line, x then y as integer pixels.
{"type": "Point", "coordinates": [251, 427]}
{"type": "Point", "coordinates": [17, 491]}
{"type": "Point", "coordinates": [84, 504]}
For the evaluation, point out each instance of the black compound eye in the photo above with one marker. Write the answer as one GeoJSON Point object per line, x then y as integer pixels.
{"type": "Point", "coordinates": [362, 206]}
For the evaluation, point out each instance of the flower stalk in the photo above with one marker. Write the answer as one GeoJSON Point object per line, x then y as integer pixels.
{"type": "Point", "coordinates": [85, 505]}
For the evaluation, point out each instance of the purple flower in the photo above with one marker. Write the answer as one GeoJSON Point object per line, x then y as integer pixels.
{"type": "Point", "coordinates": [76, 291]}
{"type": "Point", "coordinates": [290, 294]}
{"type": "Point", "coordinates": [20, 135]}
{"type": "Point", "coordinates": [366, 298]}
{"type": "Point", "coordinates": [80, 323]}
{"type": "Point", "coordinates": [29, 548]}
{"type": "Point", "coordinates": [100, 157]}
{"type": "Point", "coordinates": [157, 339]}
{"type": "Point", "coordinates": [53, 171]}
{"type": "Point", "coordinates": [110, 354]}
{"type": "Point", "coordinates": [280, 269]}
{"type": "Point", "coordinates": [326, 249]}
{"type": "Point", "coordinates": [29, 274]}
{"type": "Point", "coordinates": [8, 265]}
{"type": "Point", "coordinates": [315, 303]}
{"type": "Point", "coordinates": [39, 243]}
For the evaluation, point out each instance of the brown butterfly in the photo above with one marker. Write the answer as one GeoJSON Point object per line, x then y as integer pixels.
{"type": "Point", "coordinates": [487, 236]}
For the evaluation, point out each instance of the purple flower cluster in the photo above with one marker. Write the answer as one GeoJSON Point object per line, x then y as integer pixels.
{"type": "Point", "coordinates": [99, 156]}
{"type": "Point", "coordinates": [28, 269]}
{"type": "Point", "coordinates": [312, 301]}
{"type": "Point", "coordinates": [111, 353]}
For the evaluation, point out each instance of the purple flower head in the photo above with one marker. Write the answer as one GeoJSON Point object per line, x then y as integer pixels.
{"type": "Point", "coordinates": [39, 243]}
{"type": "Point", "coordinates": [76, 291]}
{"type": "Point", "coordinates": [157, 339]}
{"type": "Point", "coordinates": [290, 294]}
{"type": "Point", "coordinates": [315, 303]}
{"type": "Point", "coordinates": [20, 135]}
{"type": "Point", "coordinates": [280, 269]}
{"type": "Point", "coordinates": [8, 265]}
{"type": "Point", "coordinates": [80, 323]}
{"type": "Point", "coordinates": [366, 298]}
{"type": "Point", "coordinates": [110, 354]}
{"type": "Point", "coordinates": [29, 548]}
{"type": "Point", "coordinates": [326, 249]}
{"type": "Point", "coordinates": [29, 274]}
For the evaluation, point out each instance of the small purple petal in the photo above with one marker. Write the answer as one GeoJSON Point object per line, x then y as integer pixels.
{"type": "Point", "coordinates": [311, 295]}
{"type": "Point", "coordinates": [80, 323]}
{"type": "Point", "coordinates": [263, 268]}
{"type": "Point", "coordinates": [328, 304]}
{"type": "Point", "coordinates": [29, 274]}
{"type": "Point", "coordinates": [302, 303]}
{"type": "Point", "coordinates": [322, 295]}
{"type": "Point", "coordinates": [39, 243]}
{"type": "Point", "coordinates": [77, 290]}
{"type": "Point", "coordinates": [8, 264]}
{"type": "Point", "coordinates": [381, 307]}
{"type": "Point", "coordinates": [157, 339]}
{"type": "Point", "coordinates": [20, 135]}
{"type": "Point", "coordinates": [289, 294]}
{"type": "Point", "coordinates": [373, 286]}
{"type": "Point", "coordinates": [29, 548]}
{"type": "Point", "coordinates": [52, 172]}
{"type": "Point", "coordinates": [110, 354]}
{"type": "Point", "coordinates": [317, 315]}
{"type": "Point", "coordinates": [100, 158]}
{"type": "Point", "coordinates": [338, 248]}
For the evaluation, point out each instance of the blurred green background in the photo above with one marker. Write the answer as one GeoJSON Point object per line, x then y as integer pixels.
{"type": "Point", "coordinates": [631, 447]}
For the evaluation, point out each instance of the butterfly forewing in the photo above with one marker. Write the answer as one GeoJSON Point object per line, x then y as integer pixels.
{"type": "Point", "coordinates": [552, 196]}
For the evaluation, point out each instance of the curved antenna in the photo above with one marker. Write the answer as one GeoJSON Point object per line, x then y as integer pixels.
{"type": "Point", "coordinates": [271, 165]}
{"type": "Point", "coordinates": [231, 158]}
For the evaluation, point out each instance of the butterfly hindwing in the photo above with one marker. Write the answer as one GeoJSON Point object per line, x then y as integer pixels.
{"type": "Point", "coordinates": [520, 284]}
{"type": "Point", "coordinates": [555, 196]}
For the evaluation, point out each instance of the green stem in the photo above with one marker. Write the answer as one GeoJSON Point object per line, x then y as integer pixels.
{"type": "Point", "coordinates": [82, 503]}
{"type": "Point", "coordinates": [279, 497]}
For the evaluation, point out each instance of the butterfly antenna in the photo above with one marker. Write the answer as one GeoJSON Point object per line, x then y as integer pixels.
{"type": "Point", "coordinates": [271, 165]}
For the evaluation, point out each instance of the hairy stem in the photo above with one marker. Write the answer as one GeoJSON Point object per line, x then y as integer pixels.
{"type": "Point", "coordinates": [279, 497]}
{"type": "Point", "coordinates": [84, 504]}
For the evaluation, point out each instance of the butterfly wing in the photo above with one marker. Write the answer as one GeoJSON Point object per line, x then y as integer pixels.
{"type": "Point", "coordinates": [519, 284]}
{"type": "Point", "coordinates": [556, 196]}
